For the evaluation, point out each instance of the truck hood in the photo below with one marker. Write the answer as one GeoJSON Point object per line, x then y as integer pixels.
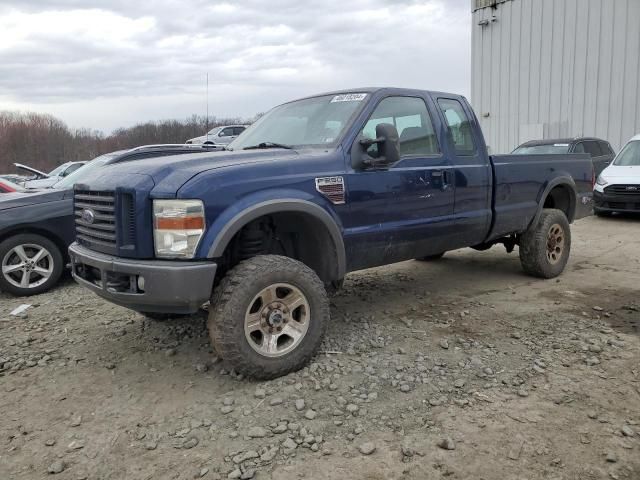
{"type": "Point", "coordinates": [172, 172]}
{"type": "Point", "coordinates": [23, 199]}
{"type": "Point", "coordinates": [620, 174]}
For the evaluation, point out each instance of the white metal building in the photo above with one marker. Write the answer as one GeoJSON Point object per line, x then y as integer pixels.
{"type": "Point", "coordinates": [556, 68]}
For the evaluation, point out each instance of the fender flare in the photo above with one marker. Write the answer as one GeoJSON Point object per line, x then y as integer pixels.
{"type": "Point", "coordinates": [564, 181]}
{"type": "Point", "coordinates": [258, 210]}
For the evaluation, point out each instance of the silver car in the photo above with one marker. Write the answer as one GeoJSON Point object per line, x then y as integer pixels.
{"type": "Point", "coordinates": [45, 180]}
{"type": "Point", "coordinates": [220, 135]}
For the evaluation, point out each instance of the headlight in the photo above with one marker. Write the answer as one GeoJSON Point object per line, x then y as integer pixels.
{"type": "Point", "coordinates": [601, 181]}
{"type": "Point", "coordinates": [178, 226]}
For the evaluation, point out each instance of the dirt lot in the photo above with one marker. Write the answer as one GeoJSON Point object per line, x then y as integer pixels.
{"type": "Point", "coordinates": [460, 369]}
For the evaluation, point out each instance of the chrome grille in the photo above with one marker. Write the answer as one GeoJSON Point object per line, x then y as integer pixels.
{"type": "Point", "coordinates": [95, 218]}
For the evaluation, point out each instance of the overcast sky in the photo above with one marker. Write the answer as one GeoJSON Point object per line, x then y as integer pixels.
{"type": "Point", "coordinates": [104, 64]}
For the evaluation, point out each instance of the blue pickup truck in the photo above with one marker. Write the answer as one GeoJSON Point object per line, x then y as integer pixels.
{"type": "Point", "coordinates": [315, 189]}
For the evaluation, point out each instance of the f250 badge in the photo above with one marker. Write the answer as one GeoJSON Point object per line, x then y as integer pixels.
{"type": "Point", "coordinates": [332, 188]}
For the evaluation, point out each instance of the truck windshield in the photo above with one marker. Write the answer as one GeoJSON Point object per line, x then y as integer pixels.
{"type": "Point", "coordinates": [629, 156]}
{"type": "Point", "coordinates": [551, 149]}
{"type": "Point", "coordinates": [311, 122]}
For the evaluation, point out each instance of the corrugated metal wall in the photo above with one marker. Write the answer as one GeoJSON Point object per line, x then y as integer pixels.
{"type": "Point", "coordinates": [557, 68]}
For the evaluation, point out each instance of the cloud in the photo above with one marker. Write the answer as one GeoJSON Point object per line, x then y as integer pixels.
{"type": "Point", "coordinates": [104, 64]}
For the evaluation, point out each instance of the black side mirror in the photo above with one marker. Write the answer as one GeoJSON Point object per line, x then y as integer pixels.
{"type": "Point", "coordinates": [388, 142]}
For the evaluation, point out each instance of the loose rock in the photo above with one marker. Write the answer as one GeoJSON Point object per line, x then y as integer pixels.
{"type": "Point", "coordinates": [447, 444]}
{"type": "Point", "coordinates": [56, 467]}
{"type": "Point", "coordinates": [367, 448]}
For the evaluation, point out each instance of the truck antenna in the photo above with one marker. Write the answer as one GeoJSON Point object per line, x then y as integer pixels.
{"type": "Point", "coordinates": [207, 121]}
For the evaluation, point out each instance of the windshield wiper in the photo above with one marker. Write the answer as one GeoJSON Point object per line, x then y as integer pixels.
{"type": "Point", "coordinates": [265, 145]}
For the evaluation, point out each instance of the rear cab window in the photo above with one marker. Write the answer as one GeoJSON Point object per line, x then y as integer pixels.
{"type": "Point", "coordinates": [459, 126]}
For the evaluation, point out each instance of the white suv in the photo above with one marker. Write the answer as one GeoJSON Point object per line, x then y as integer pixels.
{"type": "Point", "coordinates": [219, 135]}
{"type": "Point", "coordinates": [618, 186]}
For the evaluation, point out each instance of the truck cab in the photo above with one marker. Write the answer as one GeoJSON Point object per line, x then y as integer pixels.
{"type": "Point", "coordinates": [316, 188]}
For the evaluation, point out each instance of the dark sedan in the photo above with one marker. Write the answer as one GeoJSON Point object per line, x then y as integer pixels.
{"type": "Point", "coordinates": [600, 150]}
{"type": "Point", "coordinates": [37, 226]}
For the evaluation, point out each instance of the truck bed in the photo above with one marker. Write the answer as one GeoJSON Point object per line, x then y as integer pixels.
{"type": "Point", "coordinates": [521, 181]}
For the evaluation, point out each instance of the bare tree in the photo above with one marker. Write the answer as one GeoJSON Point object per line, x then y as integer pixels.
{"type": "Point", "coordinates": [43, 141]}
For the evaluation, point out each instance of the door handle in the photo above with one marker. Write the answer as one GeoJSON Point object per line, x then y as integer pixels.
{"type": "Point", "coordinates": [444, 176]}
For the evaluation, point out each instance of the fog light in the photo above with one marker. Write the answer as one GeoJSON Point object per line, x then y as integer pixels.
{"type": "Point", "coordinates": [141, 283]}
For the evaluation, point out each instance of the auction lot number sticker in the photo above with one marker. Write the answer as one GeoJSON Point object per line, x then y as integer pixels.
{"type": "Point", "coordinates": [349, 97]}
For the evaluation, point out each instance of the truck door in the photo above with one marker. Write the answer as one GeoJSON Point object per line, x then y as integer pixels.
{"type": "Point", "coordinates": [472, 173]}
{"type": "Point", "coordinates": [405, 210]}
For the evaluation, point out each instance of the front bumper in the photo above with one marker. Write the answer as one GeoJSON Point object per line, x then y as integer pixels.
{"type": "Point", "coordinates": [604, 202]}
{"type": "Point", "coordinates": [167, 286]}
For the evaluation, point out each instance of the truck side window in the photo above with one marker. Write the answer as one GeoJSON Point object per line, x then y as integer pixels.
{"type": "Point", "coordinates": [606, 148]}
{"type": "Point", "coordinates": [593, 148]}
{"type": "Point", "coordinates": [579, 148]}
{"type": "Point", "coordinates": [459, 126]}
{"type": "Point", "coordinates": [412, 120]}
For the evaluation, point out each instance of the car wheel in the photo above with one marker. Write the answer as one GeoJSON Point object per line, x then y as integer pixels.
{"type": "Point", "coordinates": [431, 258]}
{"type": "Point", "coordinates": [545, 247]}
{"type": "Point", "coordinates": [268, 316]}
{"type": "Point", "coordinates": [31, 264]}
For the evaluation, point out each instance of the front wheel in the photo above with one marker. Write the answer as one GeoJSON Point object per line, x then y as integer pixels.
{"type": "Point", "coordinates": [545, 247]}
{"type": "Point", "coordinates": [268, 316]}
{"type": "Point", "coordinates": [31, 264]}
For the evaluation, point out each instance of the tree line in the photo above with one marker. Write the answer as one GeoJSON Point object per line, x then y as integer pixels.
{"type": "Point", "coordinates": [43, 141]}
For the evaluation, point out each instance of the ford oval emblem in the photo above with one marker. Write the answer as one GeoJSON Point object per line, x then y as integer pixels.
{"type": "Point", "coordinates": [88, 216]}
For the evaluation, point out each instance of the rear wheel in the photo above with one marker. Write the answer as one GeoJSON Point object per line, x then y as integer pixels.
{"type": "Point", "coordinates": [431, 258]}
{"type": "Point", "coordinates": [545, 247]}
{"type": "Point", "coordinates": [31, 264]}
{"type": "Point", "coordinates": [268, 316]}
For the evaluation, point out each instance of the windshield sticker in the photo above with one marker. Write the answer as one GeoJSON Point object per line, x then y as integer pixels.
{"type": "Point", "coordinates": [349, 97]}
{"type": "Point", "coordinates": [560, 144]}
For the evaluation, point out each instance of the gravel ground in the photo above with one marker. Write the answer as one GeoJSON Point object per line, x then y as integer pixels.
{"type": "Point", "coordinates": [462, 368]}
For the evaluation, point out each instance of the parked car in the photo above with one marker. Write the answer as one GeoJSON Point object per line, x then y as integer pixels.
{"type": "Point", "coordinates": [600, 151]}
{"type": "Point", "coordinates": [219, 135]}
{"type": "Point", "coordinates": [44, 180]}
{"type": "Point", "coordinates": [17, 179]}
{"type": "Point", "coordinates": [7, 186]}
{"type": "Point", "coordinates": [316, 188]}
{"type": "Point", "coordinates": [618, 186]}
{"type": "Point", "coordinates": [37, 226]}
